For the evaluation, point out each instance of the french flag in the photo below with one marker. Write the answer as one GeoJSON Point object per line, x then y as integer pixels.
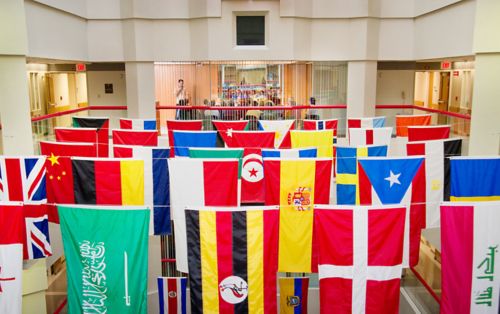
{"type": "Point", "coordinates": [137, 124]}
{"type": "Point", "coordinates": [172, 295]}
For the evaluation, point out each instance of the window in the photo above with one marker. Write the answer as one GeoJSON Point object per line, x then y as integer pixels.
{"type": "Point", "coordinates": [250, 30]}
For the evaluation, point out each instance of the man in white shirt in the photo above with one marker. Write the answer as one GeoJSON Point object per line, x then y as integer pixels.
{"type": "Point", "coordinates": [181, 100]}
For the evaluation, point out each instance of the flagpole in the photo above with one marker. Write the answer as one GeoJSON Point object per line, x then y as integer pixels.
{"type": "Point", "coordinates": [125, 260]}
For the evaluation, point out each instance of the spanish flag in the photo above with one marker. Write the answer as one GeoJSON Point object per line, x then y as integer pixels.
{"type": "Point", "coordinates": [232, 256]}
{"type": "Point", "coordinates": [296, 185]}
{"type": "Point", "coordinates": [320, 139]}
{"type": "Point", "coordinates": [293, 295]}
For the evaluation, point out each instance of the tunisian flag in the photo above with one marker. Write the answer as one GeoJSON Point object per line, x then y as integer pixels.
{"type": "Point", "coordinates": [360, 258]}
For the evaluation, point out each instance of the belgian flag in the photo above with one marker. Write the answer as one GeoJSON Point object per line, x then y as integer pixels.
{"type": "Point", "coordinates": [233, 259]}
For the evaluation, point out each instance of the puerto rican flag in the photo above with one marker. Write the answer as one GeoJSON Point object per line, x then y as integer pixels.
{"type": "Point", "coordinates": [360, 257]}
{"type": "Point", "coordinates": [37, 240]}
{"type": "Point", "coordinates": [22, 179]}
{"type": "Point", "coordinates": [172, 295]}
{"type": "Point", "coordinates": [137, 124]}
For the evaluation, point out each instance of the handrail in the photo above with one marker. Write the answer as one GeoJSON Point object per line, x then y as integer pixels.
{"type": "Point", "coordinates": [426, 285]}
{"type": "Point", "coordinates": [408, 106]}
{"type": "Point", "coordinates": [61, 306]}
{"type": "Point", "coordinates": [337, 106]}
{"type": "Point", "coordinates": [62, 113]}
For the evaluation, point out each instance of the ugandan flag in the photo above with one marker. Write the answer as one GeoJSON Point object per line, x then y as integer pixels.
{"type": "Point", "coordinates": [233, 259]}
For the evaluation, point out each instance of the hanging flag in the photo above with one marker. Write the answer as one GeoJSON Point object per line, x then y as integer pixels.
{"type": "Point", "coordinates": [11, 257]}
{"type": "Point", "coordinates": [233, 260]}
{"type": "Point", "coordinates": [68, 149]}
{"type": "Point", "coordinates": [186, 139]}
{"type": "Point", "coordinates": [195, 183]}
{"type": "Point", "coordinates": [293, 295]}
{"type": "Point", "coordinates": [437, 173]}
{"type": "Point", "coordinates": [59, 184]}
{"type": "Point", "coordinates": [135, 137]}
{"type": "Point", "coordinates": [397, 180]}
{"type": "Point", "coordinates": [156, 183]}
{"type": "Point", "coordinates": [102, 126]}
{"type": "Point", "coordinates": [470, 239]}
{"type": "Point", "coordinates": [428, 132]}
{"type": "Point", "coordinates": [370, 136]}
{"type": "Point", "coordinates": [404, 121]}
{"type": "Point", "coordinates": [108, 181]}
{"type": "Point", "coordinates": [252, 139]}
{"type": "Point", "coordinates": [282, 131]}
{"type": "Point", "coordinates": [322, 140]}
{"type": "Point", "coordinates": [347, 170]}
{"type": "Point", "coordinates": [36, 238]}
{"type": "Point", "coordinates": [290, 153]}
{"type": "Point", "coordinates": [370, 122]}
{"type": "Point", "coordinates": [357, 274]}
{"type": "Point", "coordinates": [185, 125]}
{"type": "Point", "coordinates": [22, 179]}
{"type": "Point", "coordinates": [137, 124]}
{"type": "Point", "coordinates": [76, 135]}
{"type": "Point", "coordinates": [330, 124]}
{"type": "Point", "coordinates": [225, 130]}
{"type": "Point", "coordinates": [296, 185]}
{"type": "Point", "coordinates": [216, 152]}
{"type": "Point", "coordinates": [475, 179]}
{"type": "Point", "coordinates": [172, 295]}
{"type": "Point", "coordinates": [106, 252]}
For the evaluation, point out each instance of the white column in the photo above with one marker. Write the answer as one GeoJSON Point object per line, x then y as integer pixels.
{"type": "Point", "coordinates": [140, 81]}
{"type": "Point", "coordinates": [361, 88]}
{"type": "Point", "coordinates": [485, 123]}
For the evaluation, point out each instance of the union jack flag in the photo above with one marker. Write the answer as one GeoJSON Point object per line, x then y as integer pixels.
{"type": "Point", "coordinates": [37, 241]}
{"type": "Point", "coordinates": [22, 179]}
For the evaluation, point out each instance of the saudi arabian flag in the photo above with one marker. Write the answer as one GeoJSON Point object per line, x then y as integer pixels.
{"type": "Point", "coordinates": [106, 253]}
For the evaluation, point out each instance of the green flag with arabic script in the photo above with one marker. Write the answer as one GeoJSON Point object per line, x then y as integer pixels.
{"type": "Point", "coordinates": [106, 253]}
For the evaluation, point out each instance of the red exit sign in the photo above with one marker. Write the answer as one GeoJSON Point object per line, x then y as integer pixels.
{"type": "Point", "coordinates": [445, 65]}
{"type": "Point", "coordinates": [80, 67]}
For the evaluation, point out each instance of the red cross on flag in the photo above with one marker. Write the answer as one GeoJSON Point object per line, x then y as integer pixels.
{"type": "Point", "coordinates": [360, 258]}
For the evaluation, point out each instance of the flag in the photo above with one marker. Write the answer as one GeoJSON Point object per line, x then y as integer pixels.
{"type": "Point", "coordinates": [252, 139]}
{"type": "Point", "coordinates": [108, 181]}
{"type": "Point", "coordinates": [137, 124]}
{"type": "Point", "coordinates": [195, 152]}
{"type": "Point", "coordinates": [22, 179]}
{"type": "Point", "coordinates": [322, 140]}
{"type": "Point", "coordinates": [296, 185]}
{"type": "Point", "coordinates": [370, 136]}
{"type": "Point", "coordinates": [233, 260]}
{"type": "Point", "coordinates": [68, 149]}
{"type": "Point", "coordinates": [185, 125]}
{"type": "Point", "coordinates": [106, 252]}
{"type": "Point", "coordinates": [172, 295]}
{"type": "Point", "coordinates": [156, 183]}
{"type": "Point", "coordinates": [59, 184]}
{"type": "Point", "coordinates": [282, 131]}
{"type": "Point", "coordinates": [290, 153]}
{"type": "Point", "coordinates": [102, 126]}
{"type": "Point", "coordinates": [186, 139]}
{"type": "Point", "coordinates": [370, 122]}
{"type": "Point", "coordinates": [293, 295]}
{"type": "Point", "coordinates": [225, 130]}
{"type": "Point", "coordinates": [347, 170]}
{"type": "Point", "coordinates": [195, 183]}
{"type": "Point", "coordinates": [134, 137]}
{"type": "Point", "coordinates": [360, 258]}
{"type": "Point", "coordinates": [330, 124]}
{"type": "Point", "coordinates": [11, 257]}
{"type": "Point", "coordinates": [84, 135]}
{"type": "Point", "coordinates": [404, 121]}
{"type": "Point", "coordinates": [428, 132]}
{"type": "Point", "coordinates": [470, 238]}
{"type": "Point", "coordinates": [36, 238]}
{"type": "Point", "coordinates": [475, 179]}
{"type": "Point", "coordinates": [397, 180]}
{"type": "Point", "coordinates": [437, 173]}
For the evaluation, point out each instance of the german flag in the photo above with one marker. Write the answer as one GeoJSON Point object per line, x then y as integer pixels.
{"type": "Point", "coordinates": [233, 259]}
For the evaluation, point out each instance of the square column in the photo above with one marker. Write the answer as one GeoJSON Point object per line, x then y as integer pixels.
{"type": "Point", "coordinates": [361, 88]}
{"type": "Point", "coordinates": [140, 82]}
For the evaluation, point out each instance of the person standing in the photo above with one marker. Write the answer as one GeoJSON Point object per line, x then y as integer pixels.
{"type": "Point", "coordinates": [181, 100]}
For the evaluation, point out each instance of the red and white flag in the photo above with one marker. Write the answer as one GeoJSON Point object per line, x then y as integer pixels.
{"type": "Point", "coordinates": [360, 258]}
{"type": "Point", "coordinates": [225, 130]}
{"type": "Point", "coordinates": [68, 149]}
{"type": "Point", "coordinates": [470, 242]}
{"type": "Point", "coordinates": [370, 136]}
{"type": "Point", "coordinates": [135, 137]}
{"type": "Point", "coordinates": [11, 257]}
{"type": "Point", "coordinates": [428, 132]}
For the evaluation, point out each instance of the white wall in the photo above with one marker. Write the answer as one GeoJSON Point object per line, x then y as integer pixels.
{"type": "Point", "coordinates": [95, 87]}
{"type": "Point", "coordinates": [395, 86]}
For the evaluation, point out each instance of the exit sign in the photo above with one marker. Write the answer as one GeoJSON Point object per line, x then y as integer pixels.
{"type": "Point", "coordinates": [80, 67]}
{"type": "Point", "coordinates": [445, 65]}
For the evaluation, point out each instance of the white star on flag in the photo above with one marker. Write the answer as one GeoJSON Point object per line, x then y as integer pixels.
{"type": "Point", "coordinates": [229, 132]}
{"type": "Point", "coordinates": [393, 178]}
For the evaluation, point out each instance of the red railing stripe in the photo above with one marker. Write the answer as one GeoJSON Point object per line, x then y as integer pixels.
{"type": "Point", "coordinates": [338, 106]}
{"type": "Point", "coordinates": [62, 113]}
{"type": "Point", "coordinates": [446, 113]}
{"type": "Point", "coordinates": [167, 260]}
{"type": "Point", "coordinates": [427, 287]}
{"type": "Point", "coordinates": [61, 306]}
